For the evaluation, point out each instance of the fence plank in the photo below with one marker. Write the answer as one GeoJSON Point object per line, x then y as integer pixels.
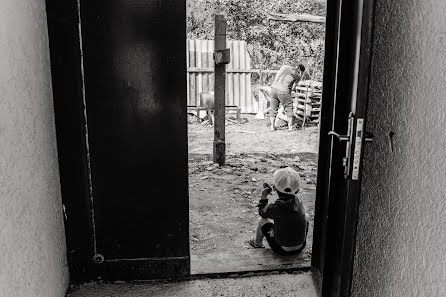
{"type": "Point", "coordinates": [236, 76]}
{"type": "Point", "coordinates": [230, 77]}
{"type": "Point", "coordinates": [252, 103]}
{"type": "Point", "coordinates": [208, 69]}
{"type": "Point", "coordinates": [199, 64]}
{"type": "Point", "coordinates": [211, 64]}
{"type": "Point", "coordinates": [244, 100]}
{"type": "Point", "coordinates": [204, 63]}
{"type": "Point", "coordinates": [187, 74]}
{"type": "Point", "coordinates": [192, 85]}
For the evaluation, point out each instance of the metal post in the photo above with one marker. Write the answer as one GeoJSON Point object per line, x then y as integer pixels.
{"type": "Point", "coordinates": [219, 148]}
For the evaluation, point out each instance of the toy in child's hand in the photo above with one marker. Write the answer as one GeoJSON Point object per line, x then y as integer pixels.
{"type": "Point", "coordinates": [267, 189]}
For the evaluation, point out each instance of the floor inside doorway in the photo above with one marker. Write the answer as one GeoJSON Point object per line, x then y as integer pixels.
{"type": "Point", "coordinates": [223, 212]}
{"type": "Point", "coordinates": [284, 284]}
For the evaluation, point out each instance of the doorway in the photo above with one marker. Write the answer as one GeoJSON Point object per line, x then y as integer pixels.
{"type": "Point", "coordinates": [223, 211]}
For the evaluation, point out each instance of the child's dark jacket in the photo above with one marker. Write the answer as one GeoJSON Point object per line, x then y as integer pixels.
{"type": "Point", "coordinates": [288, 214]}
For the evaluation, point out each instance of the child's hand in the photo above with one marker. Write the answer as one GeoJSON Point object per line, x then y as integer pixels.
{"type": "Point", "coordinates": [267, 189]}
{"type": "Point", "coordinates": [266, 192]}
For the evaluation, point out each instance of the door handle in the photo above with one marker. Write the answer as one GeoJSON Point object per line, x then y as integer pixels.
{"type": "Point", "coordinates": [368, 136]}
{"type": "Point", "coordinates": [348, 139]}
{"type": "Point", "coordinates": [340, 137]}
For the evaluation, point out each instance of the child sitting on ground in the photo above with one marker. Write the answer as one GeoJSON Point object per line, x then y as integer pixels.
{"type": "Point", "coordinates": [283, 223]}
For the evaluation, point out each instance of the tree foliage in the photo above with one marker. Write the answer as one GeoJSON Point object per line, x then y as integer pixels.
{"type": "Point", "coordinates": [271, 44]}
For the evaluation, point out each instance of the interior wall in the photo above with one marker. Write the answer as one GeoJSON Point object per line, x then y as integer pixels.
{"type": "Point", "coordinates": [32, 239]}
{"type": "Point", "coordinates": [401, 239]}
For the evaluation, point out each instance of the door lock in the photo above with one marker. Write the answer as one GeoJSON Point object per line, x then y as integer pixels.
{"type": "Point", "coordinates": [348, 144]}
{"type": "Point", "coordinates": [353, 158]}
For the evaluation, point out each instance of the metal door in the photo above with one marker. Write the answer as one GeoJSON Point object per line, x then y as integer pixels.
{"type": "Point", "coordinates": [346, 80]}
{"type": "Point", "coordinates": [134, 60]}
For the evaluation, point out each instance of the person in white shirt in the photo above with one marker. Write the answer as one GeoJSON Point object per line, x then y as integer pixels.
{"type": "Point", "coordinates": [281, 94]}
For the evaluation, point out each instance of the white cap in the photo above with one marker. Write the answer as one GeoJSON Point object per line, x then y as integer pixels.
{"type": "Point", "coordinates": [287, 180]}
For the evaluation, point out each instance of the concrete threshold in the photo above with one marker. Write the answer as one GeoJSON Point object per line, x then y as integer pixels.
{"type": "Point", "coordinates": [267, 283]}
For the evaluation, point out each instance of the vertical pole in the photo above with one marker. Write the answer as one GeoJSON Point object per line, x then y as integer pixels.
{"type": "Point", "coordinates": [219, 148]}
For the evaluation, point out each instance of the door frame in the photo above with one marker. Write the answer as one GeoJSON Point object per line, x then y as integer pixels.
{"type": "Point", "coordinates": [82, 263]}
{"type": "Point", "coordinates": [332, 267]}
{"type": "Point", "coordinates": [69, 110]}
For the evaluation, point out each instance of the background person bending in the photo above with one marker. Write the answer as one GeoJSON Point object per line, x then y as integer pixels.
{"type": "Point", "coordinates": [281, 93]}
{"type": "Point", "coordinates": [304, 73]}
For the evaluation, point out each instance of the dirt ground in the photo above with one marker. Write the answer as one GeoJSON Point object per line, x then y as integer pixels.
{"type": "Point", "coordinates": [223, 212]}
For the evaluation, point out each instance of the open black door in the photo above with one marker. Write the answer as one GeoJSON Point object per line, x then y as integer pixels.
{"type": "Point", "coordinates": [343, 124]}
{"type": "Point", "coordinates": [134, 55]}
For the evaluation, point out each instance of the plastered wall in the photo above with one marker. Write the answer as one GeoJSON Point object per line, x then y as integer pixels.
{"type": "Point", "coordinates": [32, 240]}
{"type": "Point", "coordinates": [401, 247]}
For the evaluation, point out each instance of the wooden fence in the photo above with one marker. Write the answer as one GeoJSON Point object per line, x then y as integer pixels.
{"type": "Point", "coordinates": [200, 77]}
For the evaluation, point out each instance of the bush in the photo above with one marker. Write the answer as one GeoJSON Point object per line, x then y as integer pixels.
{"type": "Point", "coordinates": [271, 44]}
